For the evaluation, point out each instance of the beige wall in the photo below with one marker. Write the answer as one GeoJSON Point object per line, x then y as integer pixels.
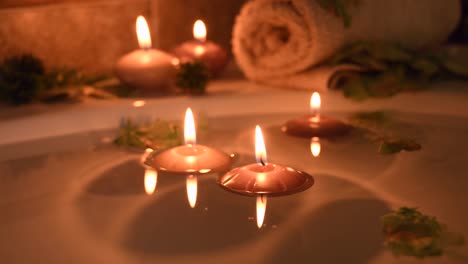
{"type": "Point", "coordinates": [92, 35]}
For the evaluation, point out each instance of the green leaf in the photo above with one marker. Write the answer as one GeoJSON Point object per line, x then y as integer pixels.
{"type": "Point", "coordinates": [157, 134]}
{"type": "Point", "coordinates": [425, 67]}
{"type": "Point", "coordinates": [388, 69]}
{"type": "Point", "coordinates": [355, 89]}
{"type": "Point", "coordinates": [20, 79]}
{"type": "Point", "coordinates": [392, 146]}
{"type": "Point", "coordinates": [339, 8]}
{"type": "Point", "coordinates": [389, 52]}
{"type": "Point", "coordinates": [379, 128]}
{"type": "Point", "coordinates": [193, 77]}
{"type": "Point", "coordinates": [349, 51]}
{"type": "Point", "coordinates": [456, 67]}
{"type": "Point", "coordinates": [408, 232]}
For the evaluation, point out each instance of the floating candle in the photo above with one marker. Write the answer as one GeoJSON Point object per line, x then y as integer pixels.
{"type": "Point", "coordinates": [147, 69]}
{"type": "Point", "coordinates": [209, 52]}
{"type": "Point", "coordinates": [315, 124]}
{"type": "Point", "coordinates": [190, 158]}
{"type": "Point", "coordinates": [264, 179]}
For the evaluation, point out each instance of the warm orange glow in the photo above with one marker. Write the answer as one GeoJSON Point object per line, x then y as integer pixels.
{"type": "Point", "coordinates": [139, 103]}
{"type": "Point", "coordinates": [199, 31]}
{"type": "Point", "coordinates": [192, 190]}
{"type": "Point", "coordinates": [175, 61]}
{"type": "Point", "coordinates": [260, 150]}
{"type": "Point", "coordinates": [315, 146]}
{"type": "Point", "coordinates": [199, 50]}
{"type": "Point", "coordinates": [151, 179]}
{"type": "Point", "coordinates": [143, 34]}
{"type": "Point", "coordinates": [189, 128]}
{"type": "Point", "coordinates": [261, 208]}
{"type": "Point", "coordinates": [315, 103]}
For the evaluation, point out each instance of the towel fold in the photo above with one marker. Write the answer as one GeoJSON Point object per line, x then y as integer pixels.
{"type": "Point", "coordinates": [280, 42]}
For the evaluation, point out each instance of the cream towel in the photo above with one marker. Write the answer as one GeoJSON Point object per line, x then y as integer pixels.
{"type": "Point", "coordinates": [280, 41]}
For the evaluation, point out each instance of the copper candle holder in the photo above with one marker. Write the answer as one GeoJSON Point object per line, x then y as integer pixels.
{"type": "Point", "coordinates": [190, 158]}
{"type": "Point", "coordinates": [315, 125]}
{"type": "Point", "coordinates": [196, 159]}
{"type": "Point", "coordinates": [264, 179]}
{"type": "Point", "coordinates": [268, 179]}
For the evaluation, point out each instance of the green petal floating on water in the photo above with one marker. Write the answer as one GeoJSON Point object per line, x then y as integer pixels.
{"type": "Point", "coordinates": [408, 232]}
{"type": "Point", "coordinates": [157, 134]}
{"type": "Point", "coordinates": [392, 146]}
{"type": "Point", "coordinates": [380, 129]}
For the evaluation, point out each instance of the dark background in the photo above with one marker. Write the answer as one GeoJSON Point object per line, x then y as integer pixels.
{"type": "Point", "coordinates": [461, 34]}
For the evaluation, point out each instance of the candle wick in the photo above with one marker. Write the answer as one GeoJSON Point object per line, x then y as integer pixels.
{"type": "Point", "coordinates": [262, 162]}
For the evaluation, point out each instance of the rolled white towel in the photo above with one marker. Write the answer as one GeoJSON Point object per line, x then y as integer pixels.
{"type": "Point", "coordinates": [279, 41]}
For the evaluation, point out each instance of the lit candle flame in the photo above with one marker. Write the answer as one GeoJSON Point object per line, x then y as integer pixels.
{"type": "Point", "coordinates": [260, 150]}
{"type": "Point", "coordinates": [189, 128]}
{"type": "Point", "coordinates": [315, 146]}
{"type": "Point", "coordinates": [315, 103]}
{"type": "Point", "coordinates": [143, 34]}
{"type": "Point", "coordinates": [191, 184]}
{"type": "Point", "coordinates": [261, 209]}
{"type": "Point", "coordinates": [139, 103]}
{"type": "Point", "coordinates": [151, 179]}
{"type": "Point", "coordinates": [199, 31]}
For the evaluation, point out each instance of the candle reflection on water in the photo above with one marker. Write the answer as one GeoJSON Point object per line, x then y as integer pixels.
{"type": "Point", "coordinates": [315, 146]}
{"type": "Point", "coordinates": [151, 180]}
{"type": "Point", "coordinates": [192, 189]}
{"type": "Point", "coordinates": [151, 175]}
{"type": "Point", "coordinates": [261, 209]}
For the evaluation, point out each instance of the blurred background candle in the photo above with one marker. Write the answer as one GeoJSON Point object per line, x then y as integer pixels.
{"type": "Point", "coordinates": [209, 52]}
{"type": "Point", "coordinates": [147, 69]}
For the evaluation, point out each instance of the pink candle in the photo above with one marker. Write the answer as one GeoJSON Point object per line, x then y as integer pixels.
{"type": "Point", "coordinates": [147, 69]}
{"type": "Point", "coordinates": [209, 52]}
